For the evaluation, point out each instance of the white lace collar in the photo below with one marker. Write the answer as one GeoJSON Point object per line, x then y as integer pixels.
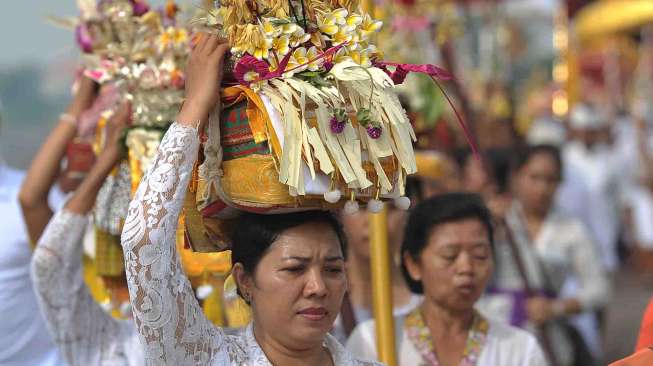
{"type": "Point", "coordinates": [339, 354]}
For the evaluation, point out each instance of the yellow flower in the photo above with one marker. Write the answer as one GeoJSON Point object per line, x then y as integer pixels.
{"type": "Point", "coordinates": [340, 16]}
{"type": "Point", "coordinates": [269, 29]}
{"type": "Point", "coordinates": [329, 23]}
{"type": "Point", "coordinates": [354, 19]}
{"type": "Point", "coordinates": [361, 57]}
{"type": "Point", "coordinates": [312, 56]}
{"type": "Point", "coordinates": [290, 28]}
{"type": "Point", "coordinates": [341, 56]}
{"type": "Point", "coordinates": [281, 45]}
{"type": "Point", "coordinates": [299, 37]}
{"type": "Point", "coordinates": [344, 35]}
{"type": "Point", "coordinates": [356, 41]}
{"type": "Point", "coordinates": [299, 57]}
{"type": "Point", "coordinates": [370, 26]}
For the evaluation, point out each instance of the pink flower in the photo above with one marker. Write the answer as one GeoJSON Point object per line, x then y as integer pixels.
{"type": "Point", "coordinates": [249, 69]}
{"type": "Point", "coordinates": [140, 7]}
{"type": "Point", "coordinates": [84, 38]}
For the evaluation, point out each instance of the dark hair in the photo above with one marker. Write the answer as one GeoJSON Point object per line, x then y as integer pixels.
{"type": "Point", "coordinates": [525, 154]}
{"type": "Point", "coordinates": [253, 234]}
{"type": "Point", "coordinates": [441, 209]}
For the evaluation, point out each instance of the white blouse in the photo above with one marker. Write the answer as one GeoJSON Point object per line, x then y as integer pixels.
{"type": "Point", "coordinates": [504, 345]}
{"type": "Point", "coordinates": [83, 331]}
{"type": "Point", "coordinates": [170, 322]}
{"type": "Point", "coordinates": [24, 338]}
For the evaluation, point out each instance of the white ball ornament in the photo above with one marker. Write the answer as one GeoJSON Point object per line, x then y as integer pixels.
{"type": "Point", "coordinates": [351, 207]}
{"type": "Point", "coordinates": [333, 196]}
{"type": "Point", "coordinates": [204, 291]}
{"type": "Point", "coordinates": [402, 203]}
{"type": "Point", "coordinates": [374, 206]}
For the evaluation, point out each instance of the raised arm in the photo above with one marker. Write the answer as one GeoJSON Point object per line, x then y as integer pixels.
{"type": "Point", "coordinates": [44, 169]}
{"type": "Point", "coordinates": [170, 322]}
{"type": "Point", "coordinates": [80, 327]}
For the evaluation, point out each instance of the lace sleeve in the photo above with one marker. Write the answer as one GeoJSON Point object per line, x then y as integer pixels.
{"type": "Point", "coordinates": [170, 322]}
{"type": "Point", "coordinates": [79, 326]}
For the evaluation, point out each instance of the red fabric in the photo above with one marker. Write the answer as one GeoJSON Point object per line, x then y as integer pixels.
{"type": "Point", "coordinates": [643, 357]}
{"type": "Point", "coordinates": [646, 330]}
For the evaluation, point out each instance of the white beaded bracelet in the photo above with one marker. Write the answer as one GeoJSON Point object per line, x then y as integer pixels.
{"type": "Point", "coordinates": [67, 117]}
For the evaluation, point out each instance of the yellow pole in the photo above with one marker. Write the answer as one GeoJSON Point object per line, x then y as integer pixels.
{"type": "Point", "coordinates": [380, 263]}
{"type": "Point", "coordinates": [382, 288]}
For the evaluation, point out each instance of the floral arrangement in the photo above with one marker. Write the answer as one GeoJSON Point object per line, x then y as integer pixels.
{"type": "Point", "coordinates": [332, 118]}
{"type": "Point", "coordinates": [138, 53]}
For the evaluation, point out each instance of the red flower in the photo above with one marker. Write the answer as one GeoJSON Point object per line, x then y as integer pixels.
{"type": "Point", "coordinates": [250, 69]}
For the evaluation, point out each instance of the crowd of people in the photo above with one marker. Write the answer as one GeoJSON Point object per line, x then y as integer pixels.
{"type": "Point", "coordinates": [505, 257]}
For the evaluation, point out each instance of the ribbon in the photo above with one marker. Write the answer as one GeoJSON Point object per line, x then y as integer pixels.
{"type": "Point", "coordinates": [436, 73]}
{"type": "Point", "coordinates": [249, 63]}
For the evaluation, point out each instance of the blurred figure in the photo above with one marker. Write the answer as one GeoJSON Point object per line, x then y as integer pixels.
{"type": "Point", "coordinates": [84, 332]}
{"type": "Point", "coordinates": [447, 256]}
{"type": "Point", "coordinates": [45, 169]}
{"type": "Point", "coordinates": [24, 339]}
{"type": "Point", "coordinates": [589, 154]}
{"type": "Point", "coordinates": [357, 231]}
{"type": "Point", "coordinates": [539, 248]}
{"type": "Point", "coordinates": [436, 173]}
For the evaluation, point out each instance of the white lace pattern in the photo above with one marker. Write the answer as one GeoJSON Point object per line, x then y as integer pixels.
{"type": "Point", "coordinates": [170, 322]}
{"type": "Point", "coordinates": [83, 331]}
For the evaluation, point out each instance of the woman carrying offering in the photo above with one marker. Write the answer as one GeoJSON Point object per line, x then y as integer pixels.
{"type": "Point", "coordinates": [290, 268]}
{"type": "Point", "coordinates": [81, 328]}
{"type": "Point", "coordinates": [447, 257]}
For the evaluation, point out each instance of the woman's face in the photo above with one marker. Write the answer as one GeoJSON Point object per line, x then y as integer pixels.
{"type": "Point", "coordinates": [298, 286]}
{"type": "Point", "coordinates": [455, 265]}
{"type": "Point", "coordinates": [357, 230]}
{"type": "Point", "coordinates": [537, 182]}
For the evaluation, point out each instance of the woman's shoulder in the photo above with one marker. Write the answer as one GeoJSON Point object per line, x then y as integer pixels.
{"type": "Point", "coordinates": [505, 342]}
{"type": "Point", "coordinates": [348, 356]}
{"type": "Point", "coordinates": [511, 338]}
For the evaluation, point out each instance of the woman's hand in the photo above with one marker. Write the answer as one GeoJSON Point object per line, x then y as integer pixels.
{"type": "Point", "coordinates": [114, 130]}
{"type": "Point", "coordinates": [540, 310]}
{"type": "Point", "coordinates": [84, 98]}
{"type": "Point", "coordinates": [203, 78]}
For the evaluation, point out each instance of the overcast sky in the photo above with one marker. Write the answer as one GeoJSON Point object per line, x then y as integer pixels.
{"type": "Point", "coordinates": [25, 36]}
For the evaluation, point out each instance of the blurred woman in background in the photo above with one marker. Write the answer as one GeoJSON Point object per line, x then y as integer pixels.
{"type": "Point", "coordinates": [539, 248]}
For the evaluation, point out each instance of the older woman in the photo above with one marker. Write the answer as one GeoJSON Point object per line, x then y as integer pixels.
{"type": "Point", "coordinates": [447, 256]}
{"type": "Point", "coordinates": [289, 268]}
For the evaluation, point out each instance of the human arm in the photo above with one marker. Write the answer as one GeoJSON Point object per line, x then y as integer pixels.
{"type": "Point", "coordinates": [80, 327]}
{"type": "Point", "coordinates": [45, 166]}
{"type": "Point", "coordinates": [587, 267]}
{"type": "Point", "coordinates": [170, 322]}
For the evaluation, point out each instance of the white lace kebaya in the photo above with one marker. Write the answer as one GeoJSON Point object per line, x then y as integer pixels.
{"type": "Point", "coordinates": [85, 334]}
{"type": "Point", "coordinates": [170, 322]}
